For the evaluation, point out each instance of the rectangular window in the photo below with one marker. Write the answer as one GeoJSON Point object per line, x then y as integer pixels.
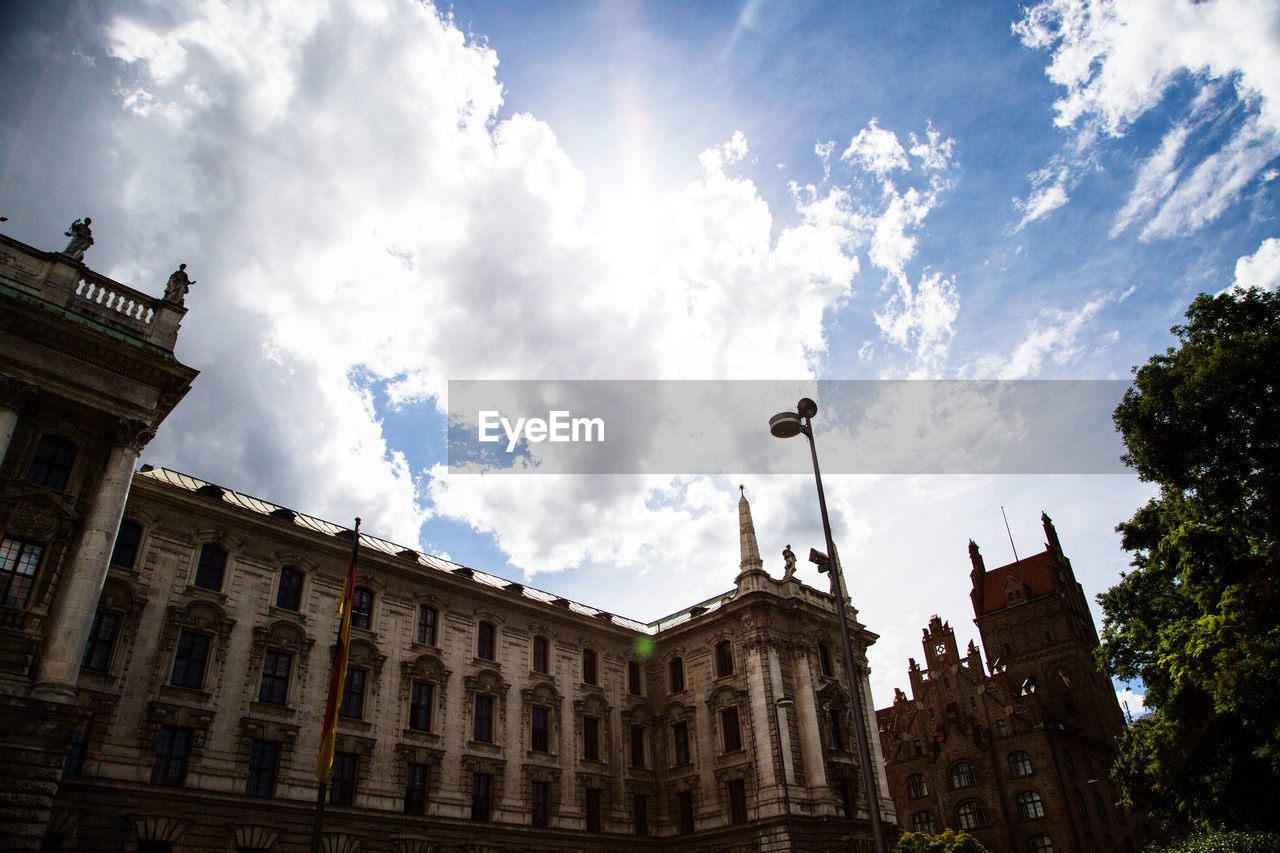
{"type": "Point", "coordinates": [538, 729]}
{"type": "Point", "coordinates": [641, 809]}
{"type": "Point", "coordinates": [591, 738]}
{"type": "Point", "coordinates": [426, 625]}
{"type": "Point", "coordinates": [684, 805]}
{"type": "Point", "coordinates": [729, 725]}
{"type": "Point", "coordinates": [102, 638]}
{"type": "Point", "coordinates": [481, 795]}
{"type": "Point", "coordinates": [361, 608]}
{"type": "Point", "coordinates": [834, 717]}
{"type": "Point", "coordinates": [415, 788]}
{"type": "Point", "coordinates": [125, 552]}
{"type": "Point", "coordinates": [593, 809]}
{"type": "Point", "coordinates": [824, 659]}
{"type": "Point", "coordinates": [637, 746]}
{"type": "Point", "coordinates": [421, 699]}
{"type": "Point", "coordinates": [482, 730]}
{"type": "Point", "coordinates": [676, 670]}
{"type": "Point", "coordinates": [737, 801]}
{"type": "Point", "coordinates": [724, 659]}
{"type": "Point", "coordinates": [289, 592]}
{"type": "Point", "coordinates": [541, 655]}
{"type": "Point", "coordinates": [172, 747]}
{"type": "Point", "coordinates": [635, 679]}
{"type": "Point", "coordinates": [590, 667]}
{"type": "Point", "coordinates": [680, 743]}
{"type": "Point", "coordinates": [846, 796]}
{"type": "Point", "coordinates": [73, 764]}
{"type": "Point", "coordinates": [210, 568]}
{"type": "Point", "coordinates": [190, 659]}
{"type": "Point", "coordinates": [51, 466]}
{"type": "Point", "coordinates": [342, 781]}
{"type": "Point", "coordinates": [540, 802]}
{"type": "Point", "coordinates": [353, 694]}
{"type": "Point", "coordinates": [264, 757]}
{"type": "Point", "coordinates": [485, 635]}
{"type": "Point", "coordinates": [18, 563]}
{"type": "Point", "coordinates": [274, 687]}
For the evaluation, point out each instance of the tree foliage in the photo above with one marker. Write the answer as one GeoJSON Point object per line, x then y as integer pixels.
{"type": "Point", "coordinates": [948, 841]}
{"type": "Point", "coordinates": [1197, 618]}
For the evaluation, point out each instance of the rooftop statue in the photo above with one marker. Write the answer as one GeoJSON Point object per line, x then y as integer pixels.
{"type": "Point", "coordinates": [176, 290]}
{"type": "Point", "coordinates": [789, 556]}
{"type": "Point", "coordinates": [81, 239]}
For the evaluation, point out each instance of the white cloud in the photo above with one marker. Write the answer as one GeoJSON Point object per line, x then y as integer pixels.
{"type": "Point", "coordinates": [1054, 337]}
{"type": "Point", "coordinates": [878, 151]}
{"type": "Point", "coordinates": [1117, 62]}
{"type": "Point", "coordinates": [1261, 269]}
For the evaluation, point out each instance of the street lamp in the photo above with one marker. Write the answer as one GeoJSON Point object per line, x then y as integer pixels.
{"type": "Point", "coordinates": [788, 425]}
{"type": "Point", "coordinates": [783, 705]}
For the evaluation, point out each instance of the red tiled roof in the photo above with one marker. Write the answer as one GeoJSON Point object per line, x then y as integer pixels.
{"type": "Point", "coordinates": [1035, 571]}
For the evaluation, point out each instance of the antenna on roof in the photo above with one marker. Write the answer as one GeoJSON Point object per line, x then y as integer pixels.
{"type": "Point", "coordinates": [1010, 532]}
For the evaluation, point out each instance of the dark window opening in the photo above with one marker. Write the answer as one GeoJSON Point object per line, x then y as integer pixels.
{"type": "Point", "coordinates": [342, 779]}
{"type": "Point", "coordinates": [485, 640]}
{"type": "Point", "coordinates": [590, 667]}
{"type": "Point", "coordinates": [737, 801]}
{"type": "Point", "coordinates": [676, 671]}
{"type": "Point", "coordinates": [51, 466]}
{"type": "Point", "coordinates": [189, 661]}
{"type": "Point", "coordinates": [591, 738]}
{"type": "Point", "coordinates": [421, 699]}
{"type": "Point", "coordinates": [541, 655]}
{"type": "Point", "coordinates": [481, 795]}
{"type": "Point", "coordinates": [362, 608]}
{"type": "Point", "coordinates": [426, 625]}
{"type": "Point", "coordinates": [289, 592]}
{"type": "Point", "coordinates": [724, 659]}
{"type": "Point", "coordinates": [415, 788]}
{"type": "Point", "coordinates": [353, 694]}
{"type": "Point", "coordinates": [539, 734]}
{"type": "Point", "coordinates": [540, 802]}
{"type": "Point", "coordinates": [18, 563]}
{"type": "Point", "coordinates": [482, 724]}
{"type": "Point", "coordinates": [102, 638]}
{"type": "Point", "coordinates": [732, 733]}
{"type": "Point", "coordinates": [172, 748]}
{"type": "Point", "coordinates": [274, 687]}
{"type": "Point", "coordinates": [264, 757]}
{"type": "Point", "coordinates": [211, 566]}
{"type": "Point", "coordinates": [593, 809]}
{"type": "Point", "coordinates": [680, 743]}
{"type": "Point", "coordinates": [125, 552]}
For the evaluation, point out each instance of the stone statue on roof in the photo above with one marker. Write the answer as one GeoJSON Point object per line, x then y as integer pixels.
{"type": "Point", "coordinates": [176, 290]}
{"type": "Point", "coordinates": [790, 559]}
{"type": "Point", "coordinates": [81, 239]}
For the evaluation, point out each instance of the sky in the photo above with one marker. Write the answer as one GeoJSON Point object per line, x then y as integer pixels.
{"type": "Point", "coordinates": [378, 197]}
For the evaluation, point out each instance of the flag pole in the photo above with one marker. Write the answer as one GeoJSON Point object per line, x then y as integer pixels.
{"type": "Point", "coordinates": [337, 678]}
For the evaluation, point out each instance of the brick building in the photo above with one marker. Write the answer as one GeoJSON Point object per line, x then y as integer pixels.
{"type": "Point", "coordinates": [1017, 752]}
{"type": "Point", "coordinates": [164, 651]}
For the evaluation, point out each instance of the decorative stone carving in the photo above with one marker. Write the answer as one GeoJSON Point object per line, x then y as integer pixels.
{"type": "Point", "coordinates": [133, 434]}
{"type": "Point", "coordinates": [15, 393]}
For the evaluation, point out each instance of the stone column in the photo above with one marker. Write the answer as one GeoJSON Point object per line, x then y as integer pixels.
{"type": "Point", "coordinates": [810, 731]}
{"type": "Point", "coordinates": [784, 727]}
{"type": "Point", "coordinates": [761, 728]}
{"type": "Point", "coordinates": [77, 599]}
{"type": "Point", "coordinates": [14, 394]}
{"type": "Point", "coordinates": [873, 740]}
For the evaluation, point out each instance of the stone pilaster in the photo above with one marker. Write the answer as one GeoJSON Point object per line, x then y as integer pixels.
{"type": "Point", "coordinates": [14, 394]}
{"type": "Point", "coordinates": [815, 769]}
{"type": "Point", "coordinates": [77, 600]}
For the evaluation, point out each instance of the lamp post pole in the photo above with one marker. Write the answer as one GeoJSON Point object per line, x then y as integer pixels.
{"type": "Point", "coordinates": [786, 425]}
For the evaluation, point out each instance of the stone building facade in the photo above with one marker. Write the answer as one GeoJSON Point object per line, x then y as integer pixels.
{"type": "Point", "coordinates": [1015, 752]}
{"type": "Point", "coordinates": [165, 648]}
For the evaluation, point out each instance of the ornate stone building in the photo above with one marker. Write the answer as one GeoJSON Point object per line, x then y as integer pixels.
{"type": "Point", "coordinates": [1017, 752]}
{"type": "Point", "coordinates": [165, 691]}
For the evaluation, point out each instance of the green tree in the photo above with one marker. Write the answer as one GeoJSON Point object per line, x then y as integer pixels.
{"type": "Point", "coordinates": [1197, 618]}
{"type": "Point", "coordinates": [948, 841]}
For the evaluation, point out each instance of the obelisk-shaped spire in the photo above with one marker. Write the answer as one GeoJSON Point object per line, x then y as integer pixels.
{"type": "Point", "coordinates": [747, 536]}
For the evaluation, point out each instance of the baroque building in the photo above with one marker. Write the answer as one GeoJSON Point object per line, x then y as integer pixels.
{"type": "Point", "coordinates": [1017, 752]}
{"type": "Point", "coordinates": [166, 646]}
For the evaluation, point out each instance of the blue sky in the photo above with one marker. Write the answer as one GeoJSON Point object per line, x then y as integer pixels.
{"type": "Point", "coordinates": [377, 197]}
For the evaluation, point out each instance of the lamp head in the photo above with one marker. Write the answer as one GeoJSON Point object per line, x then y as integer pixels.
{"type": "Point", "coordinates": [785, 425]}
{"type": "Point", "coordinates": [806, 408]}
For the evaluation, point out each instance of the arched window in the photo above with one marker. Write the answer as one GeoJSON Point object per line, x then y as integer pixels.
{"type": "Point", "coordinates": [51, 466]}
{"type": "Point", "coordinates": [724, 659]}
{"type": "Point", "coordinates": [675, 670]}
{"type": "Point", "coordinates": [922, 821]}
{"type": "Point", "coordinates": [1029, 806]}
{"type": "Point", "coordinates": [971, 814]}
{"type": "Point", "coordinates": [962, 775]}
{"type": "Point", "coordinates": [1039, 844]}
{"type": "Point", "coordinates": [1019, 764]}
{"type": "Point", "coordinates": [916, 786]}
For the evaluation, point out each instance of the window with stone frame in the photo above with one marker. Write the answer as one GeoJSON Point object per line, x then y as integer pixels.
{"type": "Point", "coordinates": [640, 814]}
{"type": "Point", "coordinates": [264, 759]}
{"type": "Point", "coordinates": [51, 465]}
{"type": "Point", "coordinates": [962, 775]}
{"type": "Point", "coordinates": [273, 687]}
{"type": "Point", "coordinates": [680, 743]}
{"type": "Point", "coordinates": [1019, 764]}
{"type": "Point", "coordinates": [590, 667]}
{"type": "Point", "coordinates": [675, 672]}
{"type": "Point", "coordinates": [190, 659]}
{"type": "Point", "coordinates": [173, 748]}
{"type": "Point", "coordinates": [539, 728]}
{"type": "Point", "coordinates": [737, 792]}
{"type": "Point", "coordinates": [971, 814]}
{"type": "Point", "coordinates": [541, 662]}
{"type": "Point", "coordinates": [482, 719]}
{"type": "Point", "coordinates": [916, 786]}
{"type": "Point", "coordinates": [362, 608]}
{"type": "Point", "coordinates": [481, 796]}
{"type": "Point", "coordinates": [289, 589]}
{"type": "Point", "coordinates": [845, 788]}
{"type": "Point", "coordinates": [1030, 806]}
{"type": "Point", "coordinates": [593, 797]}
{"type": "Point", "coordinates": [730, 730]}
{"type": "Point", "coordinates": [684, 811]}
{"type": "Point", "coordinates": [101, 642]}
{"type": "Point", "coordinates": [637, 747]}
{"type": "Point", "coordinates": [1039, 844]}
{"type": "Point", "coordinates": [540, 802]}
{"type": "Point", "coordinates": [125, 552]}
{"type": "Point", "coordinates": [343, 778]}
{"type": "Point", "coordinates": [19, 561]}
{"type": "Point", "coordinates": [835, 727]}
{"type": "Point", "coordinates": [428, 618]}
{"type": "Point", "coordinates": [724, 658]}
{"type": "Point", "coordinates": [421, 705]}
{"type": "Point", "coordinates": [922, 821]}
{"type": "Point", "coordinates": [352, 704]}
{"type": "Point", "coordinates": [591, 738]}
{"type": "Point", "coordinates": [211, 567]}
{"type": "Point", "coordinates": [416, 776]}
{"type": "Point", "coordinates": [485, 703]}
{"type": "Point", "coordinates": [635, 678]}
{"type": "Point", "coordinates": [824, 660]}
{"type": "Point", "coordinates": [423, 680]}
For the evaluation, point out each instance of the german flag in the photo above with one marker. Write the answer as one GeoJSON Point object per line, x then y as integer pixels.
{"type": "Point", "coordinates": [338, 674]}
